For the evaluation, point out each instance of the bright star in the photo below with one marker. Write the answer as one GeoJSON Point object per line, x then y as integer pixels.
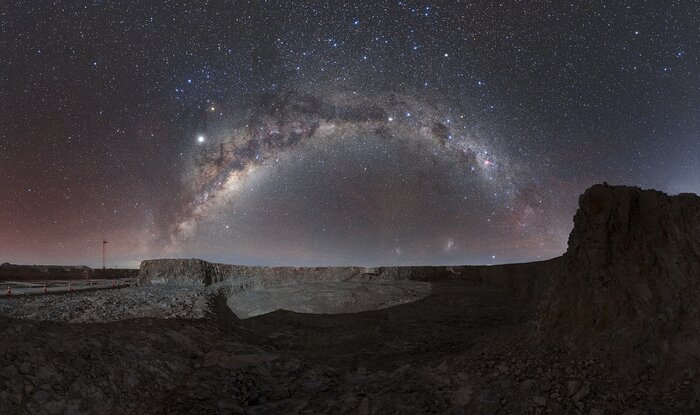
{"type": "Point", "coordinates": [200, 139]}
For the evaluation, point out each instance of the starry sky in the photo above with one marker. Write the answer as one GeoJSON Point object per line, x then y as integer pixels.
{"type": "Point", "coordinates": [334, 133]}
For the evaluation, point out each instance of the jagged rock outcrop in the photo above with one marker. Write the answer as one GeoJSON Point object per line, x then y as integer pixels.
{"type": "Point", "coordinates": [631, 274]}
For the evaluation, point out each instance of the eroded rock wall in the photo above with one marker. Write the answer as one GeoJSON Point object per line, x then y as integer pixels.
{"type": "Point", "coordinates": [199, 272]}
{"type": "Point", "coordinates": [528, 279]}
{"type": "Point", "coordinates": [631, 274]}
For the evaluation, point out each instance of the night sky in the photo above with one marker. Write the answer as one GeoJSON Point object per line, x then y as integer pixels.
{"type": "Point", "coordinates": [334, 133]}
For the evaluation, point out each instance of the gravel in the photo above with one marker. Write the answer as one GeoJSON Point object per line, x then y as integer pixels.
{"type": "Point", "coordinates": [463, 349]}
{"type": "Point", "coordinates": [161, 301]}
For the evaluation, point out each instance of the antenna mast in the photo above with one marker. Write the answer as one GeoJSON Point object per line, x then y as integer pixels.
{"type": "Point", "coordinates": [104, 244]}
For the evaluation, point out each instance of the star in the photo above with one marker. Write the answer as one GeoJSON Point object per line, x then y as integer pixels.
{"type": "Point", "coordinates": [462, 116]}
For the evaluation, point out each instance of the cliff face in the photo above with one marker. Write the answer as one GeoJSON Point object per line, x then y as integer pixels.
{"type": "Point", "coordinates": [241, 277]}
{"type": "Point", "coordinates": [631, 273]}
{"type": "Point", "coordinates": [525, 279]}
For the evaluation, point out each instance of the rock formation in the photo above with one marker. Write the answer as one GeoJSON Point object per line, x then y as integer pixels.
{"type": "Point", "coordinates": [631, 274]}
{"type": "Point", "coordinates": [199, 272]}
{"type": "Point", "coordinates": [526, 279]}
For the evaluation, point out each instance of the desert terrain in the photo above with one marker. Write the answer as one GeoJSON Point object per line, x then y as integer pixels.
{"type": "Point", "coordinates": [611, 327]}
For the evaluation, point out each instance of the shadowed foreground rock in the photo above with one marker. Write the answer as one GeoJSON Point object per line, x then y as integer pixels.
{"type": "Point", "coordinates": [631, 276]}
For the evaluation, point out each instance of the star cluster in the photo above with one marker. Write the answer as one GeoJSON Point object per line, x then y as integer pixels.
{"type": "Point", "coordinates": [363, 132]}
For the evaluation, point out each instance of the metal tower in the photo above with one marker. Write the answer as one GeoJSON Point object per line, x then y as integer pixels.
{"type": "Point", "coordinates": [104, 244]}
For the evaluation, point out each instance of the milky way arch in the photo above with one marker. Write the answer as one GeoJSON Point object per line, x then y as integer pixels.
{"type": "Point", "coordinates": [289, 119]}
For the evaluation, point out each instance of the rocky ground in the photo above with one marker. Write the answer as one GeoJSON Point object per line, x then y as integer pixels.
{"type": "Point", "coordinates": [162, 301]}
{"type": "Point", "coordinates": [463, 349]}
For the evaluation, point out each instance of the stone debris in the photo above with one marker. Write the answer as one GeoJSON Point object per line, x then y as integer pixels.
{"type": "Point", "coordinates": [164, 301]}
{"type": "Point", "coordinates": [287, 362]}
{"type": "Point", "coordinates": [581, 393]}
{"type": "Point", "coordinates": [539, 400]}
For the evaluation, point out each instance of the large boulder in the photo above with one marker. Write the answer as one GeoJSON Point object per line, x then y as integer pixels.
{"type": "Point", "coordinates": [631, 274]}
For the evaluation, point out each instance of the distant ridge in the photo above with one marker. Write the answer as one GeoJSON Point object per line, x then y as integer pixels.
{"type": "Point", "coordinates": [13, 272]}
